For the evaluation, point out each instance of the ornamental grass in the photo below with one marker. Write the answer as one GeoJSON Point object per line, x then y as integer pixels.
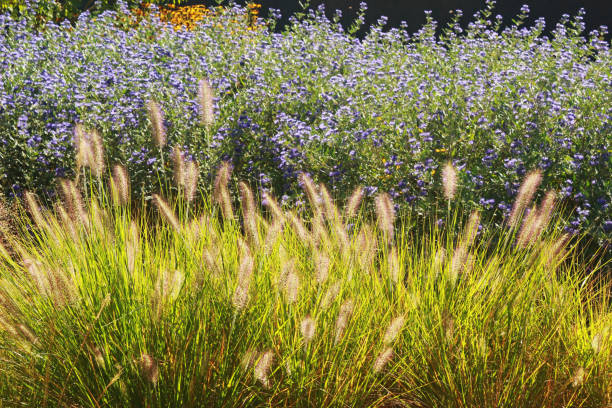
{"type": "Point", "coordinates": [206, 301]}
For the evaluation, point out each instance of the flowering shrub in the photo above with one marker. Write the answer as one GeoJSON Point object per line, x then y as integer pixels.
{"type": "Point", "coordinates": [385, 112]}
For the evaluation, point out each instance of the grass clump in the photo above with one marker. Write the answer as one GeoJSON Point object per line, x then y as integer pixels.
{"type": "Point", "coordinates": [105, 302]}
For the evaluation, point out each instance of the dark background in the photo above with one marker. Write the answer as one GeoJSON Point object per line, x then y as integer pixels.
{"type": "Point", "coordinates": [412, 11]}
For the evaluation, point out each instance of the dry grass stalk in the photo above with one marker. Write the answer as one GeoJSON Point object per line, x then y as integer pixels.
{"type": "Point", "coordinates": [149, 368]}
{"type": "Point", "coordinates": [221, 193]}
{"type": "Point", "coordinates": [449, 180]}
{"type": "Point", "coordinates": [307, 328]}
{"type": "Point", "coordinates": [205, 98]}
{"type": "Point", "coordinates": [157, 122]}
{"type": "Point", "coordinates": [263, 367]}
{"type": "Point", "coordinates": [382, 360]}
{"type": "Point", "coordinates": [524, 196]}
{"type": "Point", "coordinates": [120, 185]}
{"type": "Point", "coordinates": [385, 215]}
{"type": "Point", "coordinates": [346, 310]}
{"type": "Point", "coordinates": [393, 330]}
{"type": "Point", "coordinates": [353, 203]}
{"type": "Point", "coordinates": [166, 212]}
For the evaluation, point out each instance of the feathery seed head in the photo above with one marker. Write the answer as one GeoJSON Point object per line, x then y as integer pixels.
{"type": "Point", "coordinates": [248, 359]}
{"type": "Point", "coordinates": [386, 215]}
{"type": "Point", "coordinates": [190, 181]}
{"type": "Point", "coordinates": [97, 146]}
{"type": "Point", "coordinates": [393, 330]}
{"type": "Point", "coordinates": [578, 378]}
{"type": "Point", "coordinates": [221, 193]}
{"type": "Point", "coordinates": [83, 147]}
{"type": "Point", "coordinates": [331, 211]}
{"type": "Point", "coordinates": [27, 334]}
{"type": "Point", "coordinates": [205, 98]}
{"type": "Point", "coordinates": [330, 295]}
{"type": "Point", "coordinates": [471, 229]}
{"type": "Point", "coordinates": [73, 201]}
{"type": "Point", "coordinates": [382, 360]}
{"type": "Point", "coordinates": [449, 180]}
{"type": "Point", "coordinates": [353, 203]}
{"type": "Point", "coordinates": [524, 196]}
{"type": "Point", "coordinates": [307, 327]}
{"type": "Point", "coordinates": [99, 357]}
{"type": "Point", "coordinates": [394, 265]}
{"type": "Point", "coordinates": [166, 212]}
{"type": "Point", "coordinates": [346, 310]}
{"type": "Point", "coordinates": [263, 367]}
{"type": "Point", "coordinates": [149, 368]}
{"type": "Point", "coordinates": [272, 235]}
{"type": "Point", "coordinates": [249, 213]}
{"type": "Point", "coordinates": [528, 228]}
{"type": "Point", "coordinates": [179, 166]}
{"type": "Point", "coordinates": [292, 285]}
{"type": "Point", "coordinates": [157, 122]}
{"type": "Point", "coordinates": [34, 209]}
{"type": "Point", "coordinates": [321, 267]}
{"type": "Point", "coordinates": [600, 338]}
{"type": "Point", "coordinates": [311, 192]}
{"type": "Point", "coordinates": [273, 206]}
{"type": "Point", "coordinates": [120, 185]}
{"type": "Point", "coordinates": [300, 229]}
{"type": "Point", "coordinates": [458, 262]}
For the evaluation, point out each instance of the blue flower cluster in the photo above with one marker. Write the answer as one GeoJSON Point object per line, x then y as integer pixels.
{"type": "Point", "coordinates": [385, 112]}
